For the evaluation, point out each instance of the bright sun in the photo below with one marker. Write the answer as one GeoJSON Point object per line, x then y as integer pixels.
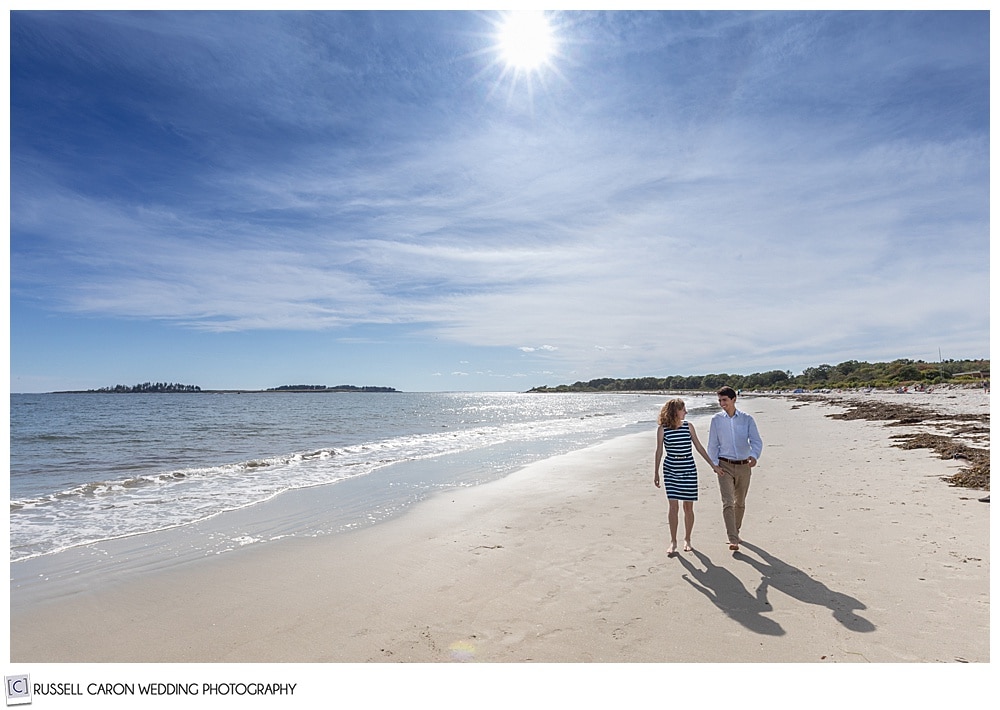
{"type": "Point", "coordinates": [526, 41]}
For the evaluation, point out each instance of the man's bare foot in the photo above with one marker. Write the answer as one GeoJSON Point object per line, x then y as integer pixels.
{"type": "Point", "coordinates": [687, 546]}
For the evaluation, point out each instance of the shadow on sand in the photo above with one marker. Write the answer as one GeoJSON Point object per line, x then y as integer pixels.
{"type": "Point", "coordinates": [797, 584]}
{"type": "Point", "coordinates": [727, 592]}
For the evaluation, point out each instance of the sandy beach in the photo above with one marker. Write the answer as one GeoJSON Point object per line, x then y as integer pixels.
{"type": "Point", "coordinates": [856, 552]}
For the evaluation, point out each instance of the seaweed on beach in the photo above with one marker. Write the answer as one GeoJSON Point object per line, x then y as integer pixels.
{"type": "Point", "coordinates": [901, 414]}
{"type": "Point", "coordinates": [975, 475]}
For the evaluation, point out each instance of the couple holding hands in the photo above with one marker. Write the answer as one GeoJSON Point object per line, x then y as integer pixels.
{"type": "Point", "coordinates": [734, 445]}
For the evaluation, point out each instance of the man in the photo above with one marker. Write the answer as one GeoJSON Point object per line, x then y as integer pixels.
{"type": "Point", "coordinates": [734, 447]}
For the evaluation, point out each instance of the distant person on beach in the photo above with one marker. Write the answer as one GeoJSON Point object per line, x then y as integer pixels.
{"type": "Point", "coordinates": [734, 445]}
{"type": "Point", "coordinates": [675, 437]}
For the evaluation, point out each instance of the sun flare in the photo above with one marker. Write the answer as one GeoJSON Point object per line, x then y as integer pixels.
{"type": "Point", "coordinates": [526, 40]}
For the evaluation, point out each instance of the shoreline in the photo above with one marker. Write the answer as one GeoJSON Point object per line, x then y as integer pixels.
{"type": "Point", "coordinates": [310, 446]}
{"type": "Point", "coordinates": [319, 512]}
{"type": "Point", "coordinates": [564, 561]}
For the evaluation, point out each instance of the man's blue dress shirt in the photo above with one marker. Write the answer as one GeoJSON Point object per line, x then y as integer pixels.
{"type": "Point", "coordinates": [733, 437]}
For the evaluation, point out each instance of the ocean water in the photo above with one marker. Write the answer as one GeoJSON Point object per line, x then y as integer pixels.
{"type": "Point", "coordinates": [92, 468]}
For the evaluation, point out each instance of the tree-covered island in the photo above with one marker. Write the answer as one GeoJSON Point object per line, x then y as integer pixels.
{"type": "Point", "coordinates": [170, 387]}
{"type": "Point", "coordinates": [149, 387]}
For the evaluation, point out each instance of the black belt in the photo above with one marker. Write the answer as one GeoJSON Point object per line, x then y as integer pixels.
{"type": "Point", "coordinates": [743, 462]}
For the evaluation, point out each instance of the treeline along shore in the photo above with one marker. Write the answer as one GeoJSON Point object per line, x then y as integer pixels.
{"type": "Point", "coordinates": [846, 375]}
{"type": "Point", "coordinates": [170, 387]}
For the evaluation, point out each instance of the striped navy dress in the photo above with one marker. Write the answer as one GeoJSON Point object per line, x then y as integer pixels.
{"type": "Point", "coordinates": [680, 476]}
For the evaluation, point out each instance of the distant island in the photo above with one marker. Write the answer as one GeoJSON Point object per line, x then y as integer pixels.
{"type": "Point", "coordinates": [324, 388]}
{"type": "Point", "coordinates": [148, 387]}
{"type": "Point", "coordinates": [846, 375]}
{"type": "Point", "coordinates": [170, 387]}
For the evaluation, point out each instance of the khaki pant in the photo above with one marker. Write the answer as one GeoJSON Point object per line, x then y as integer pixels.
{"type": "Point", "coordinates": [733, 485]}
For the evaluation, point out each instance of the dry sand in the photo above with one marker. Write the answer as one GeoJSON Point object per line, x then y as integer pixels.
{"type": "Point", "coordinates": [856, 552]}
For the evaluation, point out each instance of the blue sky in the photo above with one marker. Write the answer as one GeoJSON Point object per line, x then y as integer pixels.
{"type": "Point", "coordinates": [251, 199]}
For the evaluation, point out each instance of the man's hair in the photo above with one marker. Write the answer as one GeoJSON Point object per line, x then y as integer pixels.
{"type": "Point", "coordinates": [727, 392]}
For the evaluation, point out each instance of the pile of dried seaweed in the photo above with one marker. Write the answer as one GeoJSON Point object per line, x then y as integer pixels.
{"type": "Point", "coordinates": [975, 475]}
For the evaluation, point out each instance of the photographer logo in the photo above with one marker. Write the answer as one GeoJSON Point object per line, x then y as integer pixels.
{"type": "Point", "coordinates": [18, 689]}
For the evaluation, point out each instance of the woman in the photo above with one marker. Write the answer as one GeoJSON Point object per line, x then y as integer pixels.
{"type": "Point", "coordinates": [675, 436]}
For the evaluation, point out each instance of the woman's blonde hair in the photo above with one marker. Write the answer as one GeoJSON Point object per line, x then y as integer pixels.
{"type": "Point", "coordinates": [670, 414]}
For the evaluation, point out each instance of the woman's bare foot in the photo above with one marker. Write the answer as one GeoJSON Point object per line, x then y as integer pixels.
{"type": "Point", "coordinates": [672, 550]}
{"type": "Point", "coordinates": [687, 546]}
